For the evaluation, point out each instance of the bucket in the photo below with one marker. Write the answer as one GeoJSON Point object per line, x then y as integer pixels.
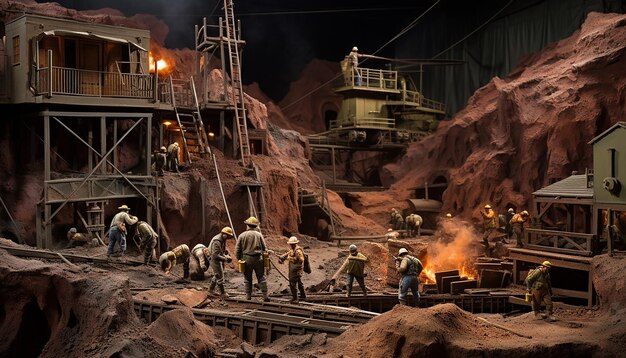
{"type": "Point", "coordinates": [528, 297]}
{"type": "Point", "coordinates": [266, 260]}
{"type": "Point", "coordinates": [241, 265]}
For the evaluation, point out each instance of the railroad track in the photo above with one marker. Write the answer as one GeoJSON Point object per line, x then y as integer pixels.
{"type": "Point", "coordinates": [254, 326]}
{"type": "Point", "coordinates": [380, 302]}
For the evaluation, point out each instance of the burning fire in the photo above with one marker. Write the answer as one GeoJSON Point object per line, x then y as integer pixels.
{"type": "Point", "coordinates": [452, 251]}
{"type": "Point", "coordinates": [161, 64]}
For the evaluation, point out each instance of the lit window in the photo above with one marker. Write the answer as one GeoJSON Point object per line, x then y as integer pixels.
{"type": "Point", "coordinates": [16, 50]}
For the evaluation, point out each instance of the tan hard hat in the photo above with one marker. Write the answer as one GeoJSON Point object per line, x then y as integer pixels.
{"type": "Point", "coordinates": [525, 213]}
{"type": "Point", "coordinates": [511, 210]}
{"type": "Point", "coordinates": [487, 206]}
{"type": "Point", "coordinates": [293, 240]}
{"type": "Point", "coordinates": [448, 215]}
{"type": "Point", "coordinates": [252, 221]}
{"type": "Point", "coordinates": [355, 48]}
{"type": "Point", "coordinates": [403, 251]}
{"type": "Point", "coordinates": [163, 149]}
{"type": "Point", "coordinates": [228, 231]}
{"type": "Point", "coordinates": [389, 230]}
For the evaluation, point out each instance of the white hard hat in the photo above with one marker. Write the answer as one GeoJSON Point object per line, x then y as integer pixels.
{"type": "Point", "coordinates": [355, 48]}
{"type": "Point", "coordinates": [293, 240]}
{"type": "Point", "coordinates": [403, 251]}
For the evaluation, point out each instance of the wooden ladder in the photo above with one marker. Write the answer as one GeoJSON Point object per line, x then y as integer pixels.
{"type": "Point", "coordinates": [235, 77]}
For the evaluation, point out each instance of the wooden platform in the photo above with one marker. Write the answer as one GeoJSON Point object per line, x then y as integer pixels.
{"type": "Point", "coordinates": [523, 256]}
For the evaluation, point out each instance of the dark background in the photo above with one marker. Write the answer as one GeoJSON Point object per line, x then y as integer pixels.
{"type": "Point", "coordinates": [284, 35]}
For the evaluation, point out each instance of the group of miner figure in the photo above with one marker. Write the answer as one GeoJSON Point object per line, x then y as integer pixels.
{"type": "Point", "coordinates": [167, 158]}
{"type": "Point", "coordinates": [118, 231]}
{"type": "Point", "coordinates": [512, 223]}
{"type": "Point", "coordinates": [538, 282]}
{"type": "Point", "coordinates": [411, 223]}
{"type": "Point", "coordinates": [408, 267]}
{"type": "Point", "coordinates": [250, 250]}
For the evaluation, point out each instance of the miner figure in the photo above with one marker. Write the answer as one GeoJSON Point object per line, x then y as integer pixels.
{"type": "Point", "coordinates": [202, 257]}
{"type": "Point", "coordinates": [413, 225]}
{"type": "Point", "coordinates": [160, 161]}
{"type": "Point", "coordinates": [173, 151]}
{"type": "Point", "coordinates": [219, 255]}
{"type": "Point", "coordinates": [180, 254]}
{"type": "Point", "coordinates": [118, 231]}
{"type": "Point", "coordinates": [251, 248]}
{"type": "Point", "coordinates": [409, 267]}
{"type": "Point", "coordinates": [295, 256]}
{"type": "Point", "coordinates": [354, 266]}
{"type": "Point", "coordinates": [75, 238]}
{"type": "Point", "coordinates": [517, 226]}
{"type": "Point", "coordinates": [148, 241]}
{"type": "Point", "coordinates": [539, 285]}
{"type": "Point", "coordinates": [490, 223]}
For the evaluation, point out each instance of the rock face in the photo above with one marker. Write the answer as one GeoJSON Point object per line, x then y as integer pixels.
{"type": "Point", "coordinates": [523, 132]}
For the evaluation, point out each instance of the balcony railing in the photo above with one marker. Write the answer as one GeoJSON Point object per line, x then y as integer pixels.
{"type": "Point", "coordinates": [572, 243]}
{"type": "Point", "coordinates": [384, 79]}
{"type": "Point", "coordinates": [76, 82]}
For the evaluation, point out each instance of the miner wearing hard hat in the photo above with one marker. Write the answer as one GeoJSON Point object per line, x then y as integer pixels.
{"type": "Point", "coordinates": [160, 161]}
{"type": "Point", "coordinates": [295, 256]}
{"type": "Point", "coordinates": [118, 230]}
{"type": "Point", "coordinates": [75, 238]}
{"type": "Point", "coordinates": [353, 62]}
{"type": "Point", "coordinates": [148, 240]}
{"type": "Point", "coordinates": [490, 222]}
{"type": "Point", "coordinates": [202, 258]}
{"type": "Point", "coordinates": [409, 267]}
{"type": "Point", "coordinates": [178, 255]}
{"type": "Point", "coordinates": [354, 266]}
{"type": "Point", "coordinates": [517, 226]}
{"type": "Point", "coordinates": [539, 285]}
{"type": "Point", "coordinates": [219, 255]}
{"type": "Point", "coordinates": [173, 152]}
{"type": "Point", "coordinates": [250, 247]}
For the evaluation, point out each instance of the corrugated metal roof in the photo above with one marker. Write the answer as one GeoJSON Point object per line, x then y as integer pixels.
{"type": "Point", "coordinates": [603, 134]}
{"type": "Point", "coordinates": [574, 186]}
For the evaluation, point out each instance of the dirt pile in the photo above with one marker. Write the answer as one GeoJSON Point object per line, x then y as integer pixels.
{"type": "Point", "coordinates": [441, 331]}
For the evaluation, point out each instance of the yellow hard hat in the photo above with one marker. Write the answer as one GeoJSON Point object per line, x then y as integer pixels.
{"type": "Point", "coordinates": [123, 207]}
{"type": "Point", "coordinates": [252, 221]}
{"type": "Point", "coordinates": [487, 206]}
{"type": "Point", "coordinates": [228, 231]}
{"type": "Point", "coordinates": [524, 213]}
{"type": "Point", "coordinates": [546, 264]}
{"type": "Point", "coordinates": [293, 240]}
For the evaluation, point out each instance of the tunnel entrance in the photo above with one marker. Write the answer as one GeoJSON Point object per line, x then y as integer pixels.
{"type": "Point", "coordinates": [32, 334]}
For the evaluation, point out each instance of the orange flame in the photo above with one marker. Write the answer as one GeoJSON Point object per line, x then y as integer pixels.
{"type": "Point", "coordinates": [161, 64]}
{"type": "Point", "coordinates": [454, 249]}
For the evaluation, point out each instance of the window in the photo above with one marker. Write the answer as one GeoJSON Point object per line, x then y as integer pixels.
{"type": "Point", "coordinates": [16, 50]}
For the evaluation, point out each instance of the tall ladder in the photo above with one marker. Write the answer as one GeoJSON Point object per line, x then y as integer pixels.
{"type": "Point", "coordinates": [192, 131]}
{"type": "Point", "coordinates": [257, 203]}
{"type": "Point", "coordinates": [235, 77]}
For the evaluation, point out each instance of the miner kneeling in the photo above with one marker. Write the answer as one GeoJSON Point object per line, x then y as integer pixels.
{"type": "Point", "coordinates": [180, 254]}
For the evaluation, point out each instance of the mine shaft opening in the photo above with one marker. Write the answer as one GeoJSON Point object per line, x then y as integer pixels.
{"type": "Point", "coordinates": [32, 334]}
{"type": "Point", "coordinates": [329, 116]}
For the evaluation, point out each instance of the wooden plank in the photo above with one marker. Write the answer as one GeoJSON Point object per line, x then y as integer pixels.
{"type": "Point", "coordinates": [439, 275]}
{"type": "Point", "coordinates": [490, 279]}
{"type": "Point", "coordinates": [446, 281]}
{"type": "Point", "coordinates": [487, 265]}
{"type": "Point", "coordinates": [458, 287]}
